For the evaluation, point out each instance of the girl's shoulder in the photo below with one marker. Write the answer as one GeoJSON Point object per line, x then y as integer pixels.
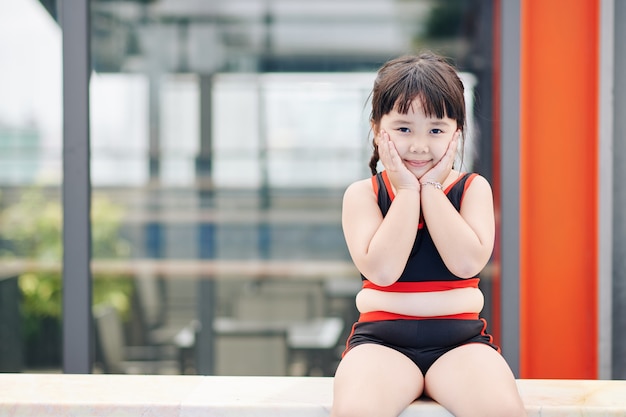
{"type": "Point", "coordinates": [360, 190]}
{"type": "Point", "coordinates": [466, 186]}
{"type": "Point", "coordinates": [474, 179]}
{"type": "Point", "coordinates": [475, 189]}
{"type": "Point", "coordinates": [360, 186]}
{"type": "Point", "coordinates": [465, 180]}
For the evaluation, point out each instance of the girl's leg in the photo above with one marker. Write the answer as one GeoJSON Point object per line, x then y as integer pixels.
{"type": "Point", "coordinates": [474, 380]}
{"type": "Point", "coordinates": [377, 381]}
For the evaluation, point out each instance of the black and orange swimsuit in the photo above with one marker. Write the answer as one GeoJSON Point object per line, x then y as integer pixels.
{"type": "Point", "coordinates": [422, 339]}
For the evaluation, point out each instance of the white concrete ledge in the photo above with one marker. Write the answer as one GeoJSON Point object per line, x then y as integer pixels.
{"type": "Point", "coordinates": [194, 396]}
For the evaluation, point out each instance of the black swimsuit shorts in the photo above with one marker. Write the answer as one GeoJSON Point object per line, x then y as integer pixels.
{"type": "Point", "coordinates": [423, 341]}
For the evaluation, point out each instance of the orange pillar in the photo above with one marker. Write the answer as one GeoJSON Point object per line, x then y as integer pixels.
{"type": "Point", "coordinates": [559, 173]}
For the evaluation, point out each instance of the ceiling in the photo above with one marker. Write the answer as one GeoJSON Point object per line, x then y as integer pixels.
{"type": "Point", "coordinates": [208, 36]}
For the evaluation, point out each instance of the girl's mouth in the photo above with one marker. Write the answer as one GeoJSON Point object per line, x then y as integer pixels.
{"type": "Point", "coordinates": [417, 164]}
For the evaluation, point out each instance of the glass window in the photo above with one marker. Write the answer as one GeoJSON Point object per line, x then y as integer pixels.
{"type": "Point", "coordinates": [30, 175]}
{"type": "Point", "coordinates": [223, 134]}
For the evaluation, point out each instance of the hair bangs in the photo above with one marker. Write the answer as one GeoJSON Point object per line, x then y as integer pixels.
{"type": "Point", "coordinates": [435, 96]}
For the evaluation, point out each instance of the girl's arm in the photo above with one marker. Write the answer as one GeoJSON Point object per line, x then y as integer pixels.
{"type": "Point", "coordinates": [380, 247]}
{"type": "Point", "coordinates": [464, 239]}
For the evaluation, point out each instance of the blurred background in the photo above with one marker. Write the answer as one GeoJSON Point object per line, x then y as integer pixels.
{"type": "Point", "coordinates": [223, 134]}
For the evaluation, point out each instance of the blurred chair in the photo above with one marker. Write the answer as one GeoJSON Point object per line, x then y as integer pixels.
{"type": "Point", "coordinates": [164, 315]}
{"type": "Point", "coordinates": [340, 294]}
{"type": "Point", "coordinates": [250, 347]}
{"type": "Point", "coordinates": [156, 324]}
{"type": "Point", "coordinates": [286, 307]}
{"type": "Point", "coordinates": [299, 299]}
{"type": "Point", "coordinates": [317, 340]}
{"type": "Point", "coordinates": [116, 357]}
{"type": "Point", "coordinates": [274, 318]}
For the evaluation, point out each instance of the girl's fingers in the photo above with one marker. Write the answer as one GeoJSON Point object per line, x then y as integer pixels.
{"type": "Point", "coordinates": [386, 149]}
{"type": "Point", "coordinates": [395, 163]}
{"type": "Point", "coordinates": [452, 148]}
{"type": "Point", "coordinates": [441, 170]}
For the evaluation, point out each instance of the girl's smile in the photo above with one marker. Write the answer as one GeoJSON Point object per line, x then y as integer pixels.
{"type": "Point", "coordinates": [417, 164]}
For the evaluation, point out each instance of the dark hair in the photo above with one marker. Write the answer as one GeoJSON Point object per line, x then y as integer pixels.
{"type": "Point", "coordinates": [426, 76]}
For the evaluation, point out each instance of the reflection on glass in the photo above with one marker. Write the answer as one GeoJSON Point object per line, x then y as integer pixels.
{"type": "Point", "coordinates": [30, 174]}
{"type": "Point", "coordinates": [119, 129]}
{"type": "Point", "coordinates": [223, 134]}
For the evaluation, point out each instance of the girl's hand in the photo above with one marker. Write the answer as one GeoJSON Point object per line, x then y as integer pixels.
{"type": "Point", "coordinates": [441, 170]}
{"type": "Point", "coordinates": [399, 175]}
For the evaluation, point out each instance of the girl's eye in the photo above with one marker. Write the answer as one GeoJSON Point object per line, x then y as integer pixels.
{"type": "Point", "coordinates": [436, 131]}
{"type": "Point", "coordinates": [404, 129]}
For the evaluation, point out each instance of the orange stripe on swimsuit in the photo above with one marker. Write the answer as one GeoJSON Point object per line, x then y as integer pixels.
{"type": "Point", "coordinates": [423, 286]}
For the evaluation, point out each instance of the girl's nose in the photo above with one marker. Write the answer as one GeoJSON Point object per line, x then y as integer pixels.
{"type": "Point", "coordinates": [418, 146]}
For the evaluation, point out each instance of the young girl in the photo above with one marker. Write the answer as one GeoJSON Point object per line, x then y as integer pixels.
{"type": "Point", "coordinates": [419, 233]}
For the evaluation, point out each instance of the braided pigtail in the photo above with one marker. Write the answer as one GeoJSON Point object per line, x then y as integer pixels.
{"type": "Point", "coordinates": [374, 159]}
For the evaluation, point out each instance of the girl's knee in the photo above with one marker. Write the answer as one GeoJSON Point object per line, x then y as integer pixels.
{"type": "Point", "coordinates": [511, 410]}
{"type": "Point", "coordinates": [515, 409]}
{"type": "Point", "coordinates": [504, 407]}
{"type": "Point", "coordinates": [496, 403]}
{"type": "Point", "coordinates": [364, 406]}
{"type": "Point", "coordinates": [352, 410]}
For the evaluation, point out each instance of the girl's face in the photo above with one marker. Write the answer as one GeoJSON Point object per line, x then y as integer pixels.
{"type": "Point", "coordinates": [421, 141]}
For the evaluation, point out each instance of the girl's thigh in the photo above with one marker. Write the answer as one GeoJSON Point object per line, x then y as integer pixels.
{"type": "Point", "coordinates": [474, 380]}
{"type": "Point", "coordinates": [374, 380]}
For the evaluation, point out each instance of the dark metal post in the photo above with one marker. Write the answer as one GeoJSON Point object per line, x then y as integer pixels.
{"type": "Point", "coordinates": [77, 317]}
{"type": "Point", "coordinates": [510, 179]}
{"type": "Point", "coordinates": [205, 338]}
{"type": "Point", "coordinates": [606, 188]}
{"type": "Point", "coordinates": [618, 285]}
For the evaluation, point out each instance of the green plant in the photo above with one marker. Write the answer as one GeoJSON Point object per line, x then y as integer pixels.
{"type": "Point", "coordinates": [31, 228]}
